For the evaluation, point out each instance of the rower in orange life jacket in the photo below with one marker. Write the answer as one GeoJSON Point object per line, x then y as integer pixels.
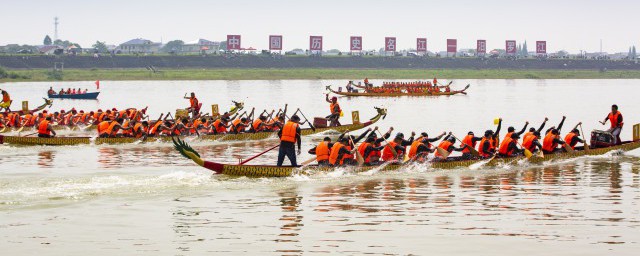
{"type": "Point", "coordinates": [369, 151]}
{"type": "Point", "coordinates": [532, 142]}
{"type": "Point", "coordinates": [399, 144]}
{"type": "Point", "coordinates": [338, 152]}
{"type": "Point", "coordinates": [573, 138]}
{"type": "Point", "coordinates": [239, 125]}
{"type": "Point", "coordinates": [509, 146]}
{"type": "Point", "coordinates": [103, 127]}
{"type": "Point", "coordinates": [194, 105]}
{"type": "Point", "coordinates": [140, 129]}
{"type": "Point", "coordinates": [552, 138]}
{"type": "Point", "coordinates": [322, 151]}
{"type": "Point", "coordinates": [335, 109]}
{"type": "Point", "coordinates": [259, 124]}
{"type": "Point", "coordinates": [487, 147]}
{"type": "Point", "coordinates": [115, 126]}
{"type": "Point", "coordinates": [448, 145]}
{"type": "Point", "coordinates": [422, 146]}
{"type": "Point", "coordinates": [45, 130]}
{"type": "Point", "coordinates": [470, 140]}
{"type": "Point", "coordinates": [350, 158]}
{"type": "Point", "coordinates": [532, 130]}
{"type": "Point", "coordinates": [615, 117]}
{"type": "Point", "coordinates": [290, 135]}
{"type": "Point", "coordinates": [221, 125]}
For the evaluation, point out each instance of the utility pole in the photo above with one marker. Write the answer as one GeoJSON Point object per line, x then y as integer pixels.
{"type": "Point", "coordinates": [55, 24]}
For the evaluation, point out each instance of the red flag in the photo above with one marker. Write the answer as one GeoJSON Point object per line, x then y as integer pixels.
{"type": "Point", "coordinates": [98, 84]}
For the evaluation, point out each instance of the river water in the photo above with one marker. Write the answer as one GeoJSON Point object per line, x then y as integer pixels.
{"type": "Point", "coordinates": [145, 199]}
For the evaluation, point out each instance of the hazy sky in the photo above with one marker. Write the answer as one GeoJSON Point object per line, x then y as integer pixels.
{"type": "Point", "coordinates": [571, 25]}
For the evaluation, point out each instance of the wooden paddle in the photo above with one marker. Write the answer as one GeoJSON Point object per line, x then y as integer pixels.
{"type": "Point", "coordinates": [527, 152]}
{"type": "Point", "coordinates": [474, 152]}
{"type": "Point", "coordinates": [443, 152]}
{"type": "Point", "coordinates": [359, 157]}
{"type": "Point", "coordinates": [586, 145]}
{"type": "Point", "coordinates": [307, 120]}
{"type": "Point", "coordinates": [30, 134]}
{"type": "Point", "coordinates": [263, 152]}
{"type": "Point", "coordinates": [307, 162]}
{"type": "Point", "coordinates": [568, 148]}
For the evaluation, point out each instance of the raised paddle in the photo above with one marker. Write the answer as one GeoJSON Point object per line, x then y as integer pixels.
{"type": "Point", "coordinates": [586, 145]}
{"type": "Point", "coordinates": [474, 152]}
{"type": "Point", "coordinates": [263, 152]}
{"type": "Point", "coordinates": [307, 120]}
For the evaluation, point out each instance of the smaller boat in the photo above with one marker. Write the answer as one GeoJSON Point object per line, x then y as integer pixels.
{"type": "Point", "coordinates": [81, 96]}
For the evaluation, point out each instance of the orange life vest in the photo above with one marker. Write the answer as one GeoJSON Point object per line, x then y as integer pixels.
{"type": "Point", "coordinates": [43, 128]}
{"type": "Point", "coordinates": [112, 130]}
{"type": "Point", "coordinates": [219, 127]}
{"type": "Point", "coordinates": [413, 151]}
{"type": "Point", "coordinates": [335, 150]}
{"type": "Point", "coordinates": [614, 119]}
{"type": "Point", "coordinates": [137, 130]}
{"type": "Point", "coordinates": [193, 101]}
{"type": "Point", "coordinates": [548, 143]}
{"type": "Point", "coordinates": [154, 129]}
{"type": "Point", "coordinates": [289, 132]}
{"type": "Point", "coordinates": [256, 125]}
{"type": "Point", "coordinates": [196, 123]}
{"type": "Point", "coordinates": [528, 142]}
{"type": "Point", "coordinates": [238, 126]}
{"type": "Point", "coordinates": [468, 140]}
{"type": "Point", "coordinates": [347, 156]}
{"type": "Point", "coordinates": [333, 107]}
{"type": "Point", "coordinates": [362, 148]}
{"type": "Point", "coordinates": [126, 132]}
{"type": "Point", "coordinates": [387, 154]}
{"type": "Point", "coordinates": [322, 151]}
{"type": "Point", "coordinates": [103, 127]}
{"type": "Point", "coordinates": [569, 138]}
{"type": "Point", "coordinates": [504, 147]}
{"type": "Point", "coordinates": [445, 144]}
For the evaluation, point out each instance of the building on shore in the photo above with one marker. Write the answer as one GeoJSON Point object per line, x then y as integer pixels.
{"type": "Point", "coordinates": [139, 45]}
{"type": "Point", "coordinates": [201, 46]}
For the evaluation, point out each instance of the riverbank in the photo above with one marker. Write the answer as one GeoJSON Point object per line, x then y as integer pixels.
{"type": "Point", "coordinates": [292, 73]}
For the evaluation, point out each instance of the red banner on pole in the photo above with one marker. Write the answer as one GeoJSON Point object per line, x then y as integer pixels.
{"type": "Point", "coordinates": [275, 42]}
{"type": "Point", "coordinates": [510, 47]}
{"type": "Point", "coordinates": [481, 47]}
{"type": "Point", "coordinates": [233, 42]}
{"type": "Point", "coordinates": [355, 43]}
{"type": "Point", "coordinates": [452, 45]}
{"type": "Point", "coordinates": [315, 43]}
{"type": "Point", "coordinates": [421, 45]}
{"type": "Point", "coordinates": [541, 47]}
{"type": "Point", "coordinates": [390, 44]}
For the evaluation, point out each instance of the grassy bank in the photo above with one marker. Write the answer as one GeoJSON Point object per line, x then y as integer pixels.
{"type": "Point", "coordinates": [275, 74]}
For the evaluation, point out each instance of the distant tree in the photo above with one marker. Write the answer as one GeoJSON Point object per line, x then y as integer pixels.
{"type": "Point", "coordinates": [223, 45]}
{"type": "Point", "coordinates": [633, 52]}
{"type": "Point", "coordinates": [47, 40]}
{"type": "Point", "coordinates": [525, 51]}
{"type": "Point", "coordinates": [174, 46]}
{"type": "Point", "coordinates": [101, 47]}
{"type": "Point", "coordinates": [629, 53]}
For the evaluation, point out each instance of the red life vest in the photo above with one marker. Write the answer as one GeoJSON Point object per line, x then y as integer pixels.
{"type": "Point", "coordinates": [322, 151]}
{"type": "Point", "coordinates": [387, 154]}
{"type": "Point", "coordinates": [614, 119]}
{"type": "Point", "coordinates": [413, 151]}
{"type": "Point", "coordinates": [549, 144]}
{"type": "Point", "coordinates": [504, 147]}
{"type": "Point", "coordinates": [468, 140]}
{"type": "Point", "coordinates": [335, 150]}
{"type": "Point", "coordinates": [289, 132]}
{"type": "Point", "coordinates": [444, 145]}
{"type": "Point", "coordinates": [569, 138]}
{"type": "Point", "coordinates": [43, 128]}
{"type": "Point", "coordinates": [528, 142]}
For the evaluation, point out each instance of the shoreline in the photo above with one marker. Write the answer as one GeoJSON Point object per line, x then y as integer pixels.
{"type": "Point", "coordinates": [44, 75]}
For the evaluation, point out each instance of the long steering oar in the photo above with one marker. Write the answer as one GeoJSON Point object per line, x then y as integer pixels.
{"type": "Point", "coordinates": [263, 152]}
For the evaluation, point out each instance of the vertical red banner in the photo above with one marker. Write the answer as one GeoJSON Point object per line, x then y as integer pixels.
{"type": "Point", "coordinates": [421, 45]}
{"type": "Point", "coordinates": [390, 44]}
{"type": "Point", "coordinates": [315, 43]}
{"type": "Point", "coordinates": [355, 43]}
{"type": "Point", "coordinates": [541, 47]}
{"type": "Point", "coordinates": [233, 42]}
{"type": "Point", "coordinates": [275, 42]}
{"type": "Point", "coordinates": [481, 47]}
{"type": "Point", "coordinates": [452, 45]}
{"type": "Point", "coordinates": [510, 47]}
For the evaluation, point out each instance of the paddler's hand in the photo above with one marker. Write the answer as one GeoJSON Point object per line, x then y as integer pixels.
{"type": "Point", "coordinates": [526, 123]}
{"type": "Point", "coordinates": [413, 134]}
{"type": "Point", "coordinates": [601, 122]}
{"type": "Point", "coordinates": [299, 151]}
{"type": "Point", "coordinates": [376, 128]}
{"type": "Point", "coordinates": [391, 128]}
{"type": "Point", "coordinates": [580, 123]}
{"type": "Point", "coordinates": [546, 119]}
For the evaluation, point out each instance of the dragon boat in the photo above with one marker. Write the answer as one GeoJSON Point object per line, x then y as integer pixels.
{"type": "Point", "coordinates": [397, 94]}
{"type": "Point", "coordinates": [17, 140]}
{"type": "Point", "coordinates": [47, 103]}
{"type": "Point", "coordinates": [449, 163]}
{"type": "Point", "coordinates": [91, 127]}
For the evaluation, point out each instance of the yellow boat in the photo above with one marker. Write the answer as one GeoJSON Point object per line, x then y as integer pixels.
{"type": "Point", "coordinates": [259, 171]}
{"type": "Point", "coordinates": [17, 140]}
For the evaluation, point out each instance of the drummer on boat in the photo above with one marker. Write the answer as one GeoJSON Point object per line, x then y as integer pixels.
{"type": "Point", "coordinates": [334, 107]}
{"type": "Point", "coordinates": [194, 105]}
{"type": "Point", "coordinates": [615, 118]}
{"type": "Point", "coordinates": [290, 135]}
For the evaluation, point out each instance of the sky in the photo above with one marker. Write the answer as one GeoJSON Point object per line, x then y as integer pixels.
{"type": "Point", "coordinates": [571, 25]}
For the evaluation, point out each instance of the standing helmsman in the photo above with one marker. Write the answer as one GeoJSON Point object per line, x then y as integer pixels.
{"type": "Point", "coordinates": [289, 136]}
{"type": "Point", "coordinates": [615, 117]}
{"type": "Point", "coordinates": [335, 111]}
{"type": "Point", "coordinates": [45, 130]}
{"type": "Point", "coordinates": [194, 105]}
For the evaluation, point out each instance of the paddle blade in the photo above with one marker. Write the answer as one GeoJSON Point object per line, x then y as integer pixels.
{"type": "Point", "coordinates": [443, 152]}
{"type": "Point", "coordinates": [527, 153]}
{"type": "Point", "coordinates": [568, 148]}
{"type": "Point", "coordinates": [308, 161]}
